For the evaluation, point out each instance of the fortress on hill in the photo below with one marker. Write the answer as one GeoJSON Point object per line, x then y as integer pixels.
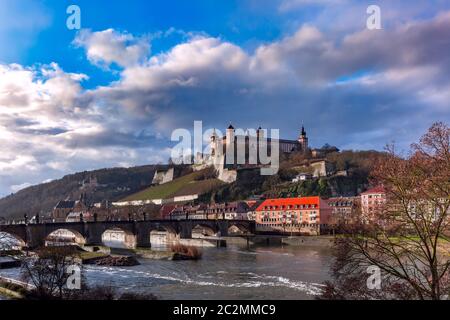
{"type": "Point", "coordinates": [250, 144]}
{"type": "Point", "coordinates": [285, 146]}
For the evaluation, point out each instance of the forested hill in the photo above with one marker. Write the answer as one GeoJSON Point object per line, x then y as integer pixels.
{"type": "Point", "coordinates": [112, 184]}
{"type": "Point", "coordinates": [119, 183]}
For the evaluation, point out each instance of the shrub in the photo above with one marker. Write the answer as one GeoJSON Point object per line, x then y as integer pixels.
{"type": "Point", "coordinates": [190, 251]}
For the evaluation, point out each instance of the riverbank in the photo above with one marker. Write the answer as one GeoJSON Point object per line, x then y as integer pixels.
{"type": "Point", "coordinates": [310, 241]}
{"type": "Point", "coordinates": [13, 289]}
{"type": "Point", "coordinates": [281, 240]}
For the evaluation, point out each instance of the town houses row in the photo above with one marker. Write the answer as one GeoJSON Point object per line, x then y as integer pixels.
{"type": "Point", "coordinates": [299, 215]}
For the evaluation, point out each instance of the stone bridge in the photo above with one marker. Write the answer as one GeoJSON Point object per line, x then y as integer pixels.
{"type": "Point", "coordinates": [35, 235]}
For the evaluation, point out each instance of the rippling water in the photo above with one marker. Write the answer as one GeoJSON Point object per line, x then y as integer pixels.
{"type": "Point", "coordinates": [226, 273]}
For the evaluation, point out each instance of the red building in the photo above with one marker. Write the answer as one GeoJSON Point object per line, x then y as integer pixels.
{"type": "Point", "coordinates": [307, 215]}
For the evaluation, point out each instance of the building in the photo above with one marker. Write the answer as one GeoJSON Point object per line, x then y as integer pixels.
{"type": "Point", "coordinates": [306, 215]}
{"type": "Point", "coordinates": [64, 207]}
{"type": "Point", "coordinates": [163, 176]}
{"type": "Point", "coordinates": [321, 168]}
{"type": "Point", "coordinates": [343, 209]}
{"type": "Point", "coordinates": [184, 212]}
{"type": "Point", "coordinates": [302, 177]}
{"type": "Point", "coordinates": [372, 201]}
{"type": "Point", "coordinates": [286, 146]}
{"type": "Point", "coordinates": [76, 216]}
{"type": "Point", "coordinates": [166, 210]}
{"type": "Point", "coordinates": [232, 211]}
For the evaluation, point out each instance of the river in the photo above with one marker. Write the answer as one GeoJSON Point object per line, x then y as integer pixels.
{"type": "Point", "coordinates": [234, 272]}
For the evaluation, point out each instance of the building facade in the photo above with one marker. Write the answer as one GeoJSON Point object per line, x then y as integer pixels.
{"type": "Point", "coordinates": [343, 210]}
{"type": "Point", "coordinates": [305, 216]}
{"type": "Point", "coordinates": [219, 211]}
{"type": "Point", "coordinates": [372, 202]}
{"type": "Point", "coordinates": [285, 146]}
{"type": "Point", "coordinates": [65, 207]}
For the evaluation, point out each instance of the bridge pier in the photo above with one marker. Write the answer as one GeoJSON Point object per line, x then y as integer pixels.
{"type": "Point", "coordinates": [35, 237]}
{"type": "Point", "coordinates": [93, 233]}
{"type": "Point", "coordinates": [223, 227]}
{"type": "Point", "coordinates": [186, 229]}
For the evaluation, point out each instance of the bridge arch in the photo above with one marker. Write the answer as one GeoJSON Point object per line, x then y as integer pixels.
{"type": "Point", "coordinates": [237, 228]}
{"type": "Point", "coordinates": [118, 237]}
{"type": "Point", "coordinates": [204, 229]}
{"type": "Point", "coordinates": [162, 235]}
{"type": "Point", "coordinates": [10, 240]}
{"type": "Point", "coordinates": [65, 236]}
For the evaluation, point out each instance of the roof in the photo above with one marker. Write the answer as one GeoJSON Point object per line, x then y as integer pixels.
{"type": "Point", "coordinates": [166, 210]}
{"type": "Point", "coordinates": [341, 200]}
{"type": "Point", "coordinates": [289, 201]}
{"type": "Point", "coordinates": [253, 205]}
{"type": "Point", "coordinates": [66, 204]}
{"type": "Point", "coordinates": [269, 140]}
{"type": "Point", "coordinates": [77, 214]}
{"type": "Point", "coordinates": [377, 189]}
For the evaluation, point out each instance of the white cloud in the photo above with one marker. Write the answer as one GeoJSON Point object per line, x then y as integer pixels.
{"type": "Point", "coordinates": [107, 47]}
{"type": "Point", "coordinates": [51, 125]}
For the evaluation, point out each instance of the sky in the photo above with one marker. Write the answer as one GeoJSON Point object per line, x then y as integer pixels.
{"type": "Point", "coordinates": [111, 93]}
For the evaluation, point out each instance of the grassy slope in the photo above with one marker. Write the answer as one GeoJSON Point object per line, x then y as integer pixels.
{"type": "Point", "coordinates": [185, 185]}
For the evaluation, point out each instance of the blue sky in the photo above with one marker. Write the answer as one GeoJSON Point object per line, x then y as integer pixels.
{"type": "Point", "coordinates": [111, 93]}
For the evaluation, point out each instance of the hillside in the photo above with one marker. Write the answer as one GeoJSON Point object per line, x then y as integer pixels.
{"type": "Point", "coordinates": [112, 184]}
{"type": "Point", "coordinates": [126, 184]}
{"type": "Point", "coordinates": [199, 182]}
{"type": "Point", "coordinates": [358, 164]}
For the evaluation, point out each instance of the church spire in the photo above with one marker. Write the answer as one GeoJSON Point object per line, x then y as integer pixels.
{"type": "Point", "coordinates": [303, 140]}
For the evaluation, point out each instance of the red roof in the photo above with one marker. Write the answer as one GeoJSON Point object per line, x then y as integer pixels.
{"type": "Point", "coordinates": [166, 210]}
{"type": "Point", "coordinates": [289, 202]}
{"type": "Point", "coordinates": [377, 189]}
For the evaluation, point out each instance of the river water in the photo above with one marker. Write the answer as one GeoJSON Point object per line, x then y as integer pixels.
{"type": "Point", "coordinates": [234, 272]}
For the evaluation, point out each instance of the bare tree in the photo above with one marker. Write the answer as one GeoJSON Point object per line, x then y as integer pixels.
{"type": "Point", "coordinates": [47, 271]}
{"type": "Point", "coordinates": [407, 238]}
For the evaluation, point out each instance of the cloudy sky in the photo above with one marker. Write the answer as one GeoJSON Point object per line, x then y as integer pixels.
{"type": "Point", "coordinates": [111, 93]}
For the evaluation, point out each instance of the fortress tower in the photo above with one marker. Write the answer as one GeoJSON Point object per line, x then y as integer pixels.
{"type": "Point", "coordinates": [230, 134]}
{"type": "Point", "coordinates": [213, 143]}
